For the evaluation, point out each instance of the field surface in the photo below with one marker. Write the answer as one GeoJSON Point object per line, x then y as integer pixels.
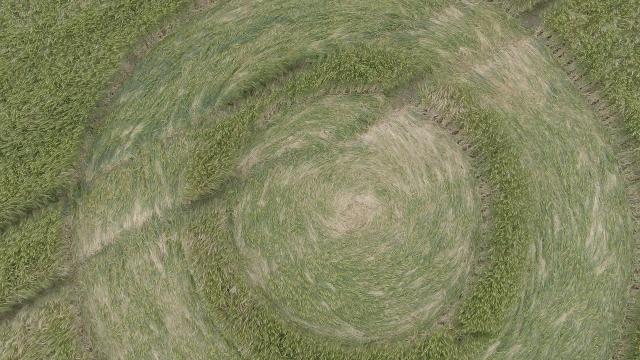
{"type": "Point", "coordinates": [319, 180]}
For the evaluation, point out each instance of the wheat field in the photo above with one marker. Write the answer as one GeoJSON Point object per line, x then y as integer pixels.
{"type": "Point", "coordinates": [238, 179]}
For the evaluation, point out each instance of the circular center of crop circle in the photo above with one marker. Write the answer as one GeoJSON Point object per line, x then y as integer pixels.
{"type": "Point", "coordinates": [355, 228]}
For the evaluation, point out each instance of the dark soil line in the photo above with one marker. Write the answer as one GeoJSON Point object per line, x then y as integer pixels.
{"type": "Point", "coordinates": [25, 211]}
{"type": "Point", "coordinates": [532, 19]}
{"type": "Point", "coordinates": [13, 311]}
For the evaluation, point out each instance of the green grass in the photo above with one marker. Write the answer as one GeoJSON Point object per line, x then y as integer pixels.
{"type": "Point", "coordinates": [33, 255]}
{"type": "Point", "coordinates": [56, 59]}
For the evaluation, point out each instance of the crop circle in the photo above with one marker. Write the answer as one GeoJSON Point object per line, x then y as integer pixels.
{"type": "Point", "coordinates": [319, 180]}
{"type": "Point", "coordinates": [362, 236]}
